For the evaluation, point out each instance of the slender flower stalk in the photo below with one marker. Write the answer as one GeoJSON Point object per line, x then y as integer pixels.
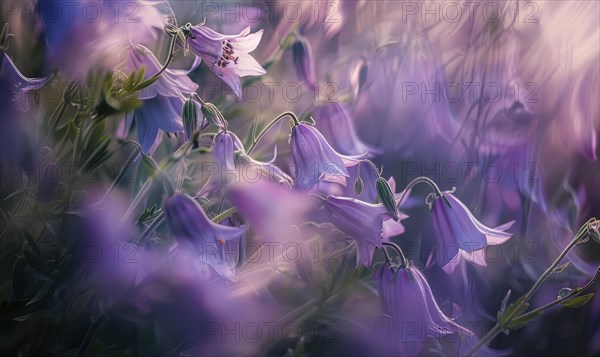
{"type": "Point", "coordinates": [509, 317]}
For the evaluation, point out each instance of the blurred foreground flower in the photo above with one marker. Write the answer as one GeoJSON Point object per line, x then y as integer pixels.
{"type": "Point", "coordinates": [415, 315]}
{"type": "Point", "coordinates": [189, 223]}
{"type": "Point", "coordinates": [79, 41]}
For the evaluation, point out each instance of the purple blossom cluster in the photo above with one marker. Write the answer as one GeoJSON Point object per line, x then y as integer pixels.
{"type": "Point", "coordinates": [323, 222]}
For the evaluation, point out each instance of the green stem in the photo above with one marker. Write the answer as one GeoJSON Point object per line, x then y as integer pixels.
{"type": "Point", "coordinates": [138, 199]}
{"type": "Point", "coordinates": [225, 214]}
{"type": "Point", "coordinates": [89, 336]}
{"type": "Point", "coordinates": [270, 125]}
{"type": "Point", "coordinates": [398, 250]}
{"type": "Point", "coordinates": [573, 294]}
{"type": "Point", "coordinates": [151, 228]}
{"type": "Point", "coordinates": [169, 59]}
{"type": "Point", "coordinates": [580, 234]}
{"type": "Point", "coordinates": [120, 175]}
{"type": "Point", "coordinates": [522, 301]}
{"type": "Point", "coordinates": [495, 331]}
{"type": "Point", "coordinates": [418, 180]}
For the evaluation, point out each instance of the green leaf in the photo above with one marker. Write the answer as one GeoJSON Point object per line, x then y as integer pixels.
{"type": "Point", "coordinates": [514, 309]}
{"type": "Point", "coordinates": [522, 321]}
{"type": "Point", "coordinates": [150, 166]}
{"type": "Point", "coordinates": [98, 156]}
{"type": "Point", "coordinates": [72, 131]}
{"type": "Point", "coordinates": [149, 214]}
{"type": "Point", "coordinates": [578, 301]}
{"type": "Point", "coordinates": [560, 268]}
{"type": "Point", "coordinates": [505, 301]}
{"type": "Point", "coordinates": [146, 83]}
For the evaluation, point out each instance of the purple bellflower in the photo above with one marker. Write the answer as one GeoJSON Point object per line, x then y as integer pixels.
{"type": "Point", "coordinates": [231, 159]}
{"type": "Point", "coordinates": [337, 125]}
{"type": "Point", "coordinates": [14, 138]}
{"type": "Point", "coordinates": [415, 315]}
{"type": "Point", "coordinates": [163, 99]}
{"type": "Point", "coordinates": [227, 55]}
{"type": "Point", "coordinates": [315, 159]}
{"type": "Point", "coordinates": [223, 153]}
{"type": "Point", "coordinates": [223, 150]}
{"type": "Point", "coordinates": [304, 62]}
{"type": "Point", "coordinates": [189, 223]}
{"type": "Point", "coordinates": [15, 85]}
{"type": "Point", "coordinates": [459, 231]}
{"type": "Point", "coordinates": [361, 221]}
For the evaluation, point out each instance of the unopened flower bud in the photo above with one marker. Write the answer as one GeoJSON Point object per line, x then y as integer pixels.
{"type": "Point", "coordinates": [386, 196]}
{"type": "Point", "coordinates": [190, 118]}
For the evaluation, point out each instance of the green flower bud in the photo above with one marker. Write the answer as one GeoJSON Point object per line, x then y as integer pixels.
{"type": "Point", "coordinates": [190, 118]}
{"type": "Point", "coordinates": [211, 114]}
{"type": "Point", "coordinates": [386, 196]}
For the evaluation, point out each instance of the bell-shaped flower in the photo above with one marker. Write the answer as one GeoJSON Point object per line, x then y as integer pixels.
{"type": "Point", "coordinates": [252, 170]}
{"type": "Point", "coordinates": [189, 223]}
{"type": "Point", "coordinates": [15, 139]}
{"type": "Point", "coordinates": [361, 221]}
{"type": "Point", "coordinates": [337, 125]}
{"type": "Point", "coordinates": [223, 151]}
{"type": "Point", "coordinates": [231, 160]}
{"type": "Point", "coordinates": [227, 55]}
{"type": "Point", "coordinates": [15, 85]}
{"type": "Point", "coordinates": [304, 62]}
{"type": "Point", "coordinates": [162, 100]}
{"type": "Point", "coordinates": [315, 159]}
{"type": "Point", "coordinates": [409, 302]}
{"type": "Point", "coordinates": [460, 234]}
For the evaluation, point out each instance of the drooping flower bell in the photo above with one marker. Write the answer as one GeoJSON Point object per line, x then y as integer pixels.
{"type": "Point", "coordinates": [231, 160]}
{"type": "Point", "coordinates": [189, 223]}
{"type": "Point", "coordinates": [315, 159]}
{"type": "Point", "coordinates": [15, 139]}
{"type": "Point", "coordinates": [162, 100]}
{"type": "Point", "coordinates": [409, 302]}
{"type": "Point", "coordinates": [460, 234]}
{"type": "Point", "coordinates": [227, 55]}
{"type": "Point", "coordinates": [337, 125]}
{"type": "Point", "coordinates": [304, 62]}
{"type": "Point", "coordinates": [361, 221]}
{"type": "Point", "coordinates": [223, 152]}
